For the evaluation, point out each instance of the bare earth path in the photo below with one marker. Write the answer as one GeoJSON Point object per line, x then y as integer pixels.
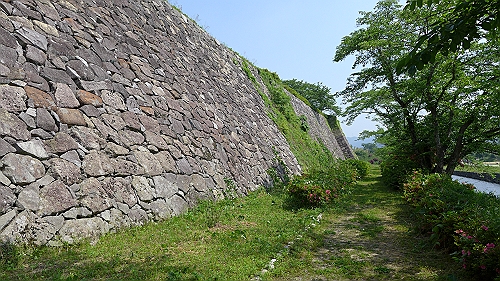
{"type": "Point", "coordinates": [371, 238]}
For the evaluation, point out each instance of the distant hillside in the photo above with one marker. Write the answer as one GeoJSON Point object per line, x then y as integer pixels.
{"type": "Point", "coordinates": [354, 142]}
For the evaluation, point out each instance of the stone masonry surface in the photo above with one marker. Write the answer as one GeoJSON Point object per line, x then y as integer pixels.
{"type": "Point", "coordinates": [118, 112]}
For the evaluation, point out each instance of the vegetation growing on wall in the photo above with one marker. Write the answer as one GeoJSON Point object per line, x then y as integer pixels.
{"type": "Point", "coordinates": [310, 153]}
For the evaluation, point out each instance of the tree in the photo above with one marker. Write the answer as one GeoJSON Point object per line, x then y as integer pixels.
{"type": "Point", "coordinates": [318, 95]}
{"type": "Point", "coordinates": [453, 28]}
{"type": "Point", "coordinates": [445, 111]}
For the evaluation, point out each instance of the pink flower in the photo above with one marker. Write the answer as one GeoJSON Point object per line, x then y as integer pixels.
{"type": "Point", "coordinates": [464, 266]}
{"type": "Point", "coordinates": [458, 231]}
{"type": "Point", "coordinates": [488, 247]}
{"type": "Point", "coordinates": [483, 267]}
{"type": "Point", "coordinates": [484, 227]}
{"type": "Point", "coordinates": [327, 192]}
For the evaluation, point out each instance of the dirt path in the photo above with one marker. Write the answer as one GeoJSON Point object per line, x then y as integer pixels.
{"type": "Point", "coordinates": [371, 238]}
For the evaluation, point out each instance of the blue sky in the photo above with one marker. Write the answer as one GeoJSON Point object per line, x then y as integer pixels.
{"type": "Point", "coordinates": [295, 39]}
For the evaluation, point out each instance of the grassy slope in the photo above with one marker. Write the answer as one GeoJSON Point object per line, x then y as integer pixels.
{"type": "Point", "coordinates": [365, 235]}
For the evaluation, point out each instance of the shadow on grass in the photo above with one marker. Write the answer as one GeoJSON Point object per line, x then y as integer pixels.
{"type": "Point", "coordinates": [72, 265]}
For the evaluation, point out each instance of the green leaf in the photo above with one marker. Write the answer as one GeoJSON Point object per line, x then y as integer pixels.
{"type": "Point", "coordinates": [420, 3]}
{"type": "Point", "coordinates": [466, 44]}
{"type": "Point", "coordinates": [413, 4]}
{"type": "Point", "coordinates": [486, 25]}
{"type": "Point", "coordinates": [412, 70]}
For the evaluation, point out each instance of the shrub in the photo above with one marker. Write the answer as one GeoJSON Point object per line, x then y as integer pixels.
{"type": "Point", "coordinates": [458, 219]}
{"type": "Point", "coordinates": [362, 167]}
{"type": "Point", "coordinates": [320, 186]}
{"type": "Point", "coordinates": [396, 168]}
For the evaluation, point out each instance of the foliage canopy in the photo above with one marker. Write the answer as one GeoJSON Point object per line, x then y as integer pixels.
{"type": "Point", "coordinates": [445, 111]}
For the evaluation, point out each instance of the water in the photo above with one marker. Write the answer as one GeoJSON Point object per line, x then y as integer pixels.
{"type": "Point", "coordinates": [480, 185]}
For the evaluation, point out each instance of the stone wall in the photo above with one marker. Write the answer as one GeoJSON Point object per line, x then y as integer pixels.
{"type": "Point", "coordinates": [118, 112]}
{"type": "Point", "coordinates": [320, 130]}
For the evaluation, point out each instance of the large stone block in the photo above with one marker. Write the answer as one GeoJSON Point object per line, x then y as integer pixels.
{"type": "Point", "coordinates": [12, 126]}
{"type": "Point", "coordinates": [55, 198]}
{"type": "Point", "coordinates": [74, 230]}
{"type": "Point", "coordinates": [22, 169]}
{"type": "Point", "coordinates": [12, 98]}
{"type": "Point", "coordinates": [93, 196]}
{"type": "Point", "coordinates": [97, 164]}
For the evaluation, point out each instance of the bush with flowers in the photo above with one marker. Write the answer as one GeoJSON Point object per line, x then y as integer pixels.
{"type": "Point", "coordinates": [458, 219]}
{"type": "Point", "coordinates": [319, 187]}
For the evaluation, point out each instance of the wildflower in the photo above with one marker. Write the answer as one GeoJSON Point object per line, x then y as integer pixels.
{"type": "Point", "coordinates": [459, 231]}
{"type": "Point", "coordinates": [484, 227]}
{"type": "Point", "coordinates": [483, 267]}
{"type": "Point", "coordinates": [488, 247]}
{"type": "Point", "coordinates": [464, 266]}
{"type": "Point", "coordinates": [327, 192]}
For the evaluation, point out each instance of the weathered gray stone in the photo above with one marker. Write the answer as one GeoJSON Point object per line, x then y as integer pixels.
{"type": "Point", "coordinates": [6, 39]}
{"type": "Point", "coordinates": [177, 204]}
{"type": "Point", "coordinates": [90, 110]}
{"type": "Point", "coordinates": [199, 183]}
{"type": "Point", "coordinates": [61, 143]}
{"type": "Point", "coordinates": [14, 232]}
{"type": "Point", "coordinates": [8, 56]}
{"type": "Point", "coordinates": [149, 162]}
{"type": "Point", "coordinates": [124, 167]}
{"type": "Point", "coordinates": [45, 121]}
{"type": "Point", "coordinates": [90, 86]}
{"type": "Point", "coordinates": [12, 126]}
{"type": "Point", "coordinates": [74, 230]}
{"type": "Point", "coordinates": [71, 116]}
{"type": "Point", "coordinates": [114, 121]}
{"type": "Point", "coordinates": [7, 199]}
{"type": "Point", "coordinates": [33, 37]}
{"type": "Point", "coordinates": [160, 209]}
{"type": "Point", "coordinates": [5, 219]}
{"type": "Point", "coordinates": [46, 228]}
{"type": "Point", "coordinates": [34, 148]}
{"type": "Point", "coordinates": [165, 187]}
{"type": "Point", "coordinates": [138, 216]}
{"type": "Point", "coordinates": [143, 189]}
{"type": "Point", "coordinates": [22, 169]}
{"type": "Point", "coordinates": [12, 98]}
{"type": "Point", "coordinates": [65, 97]}
{"type": "Point", "coordinates": [87, 137]}
{"type": "Point", "coordinates": [5, 147]}
{"type": "Point", "coordinates": [73, 157]}
{"type": "Point", "coordinates": [40, 133]}
{"type": "Point", "coordinates": [132, 121]}
{"type": "Point", "coordinates": [29, 198]}
{"type": "Point", "coordinates": [114, 100]}
{"type": "Point", "coordinates": [30, 121]}
{"type": "Point", "coordinates": [64, 170]}
{"type": "Point", "coordinates": [77, 212]}
{"type": "Point", "coordinates": [97, 164]}
{"type": "Point", "coordinates": [4, 180]}
{"type": "Point", "coordinates": [156, 140]}
{"type": "Point", "coordinates": [130, 138]}
{"type": "Point", "coordinates": [55, 198]}
{"type": "Point", "coordinates": [114, 149]}
{"type": "Point", "coordinates": [184, 166]}
{"type": "Point", "coordinates": [166, 161]}
{"type": "Point", "coordinates": [81, 70]}
{"type": "Point", "coordinates": [122, 190]}
{"type": "Point", "coordinates": [35, 55]}
{"type": "Point", "coordinates": [94, 196]}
